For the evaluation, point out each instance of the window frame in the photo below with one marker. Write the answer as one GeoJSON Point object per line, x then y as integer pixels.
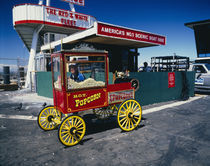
{"type": "Point", "coordinates": [61, 70]}
{"type": "Point", "coordinates": [200, 68]}
{"type": "Point", "coordinates": [85, 54]}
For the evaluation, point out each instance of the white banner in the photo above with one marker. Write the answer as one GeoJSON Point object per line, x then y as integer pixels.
{"type": "Point", "coordinates": [76, 2]}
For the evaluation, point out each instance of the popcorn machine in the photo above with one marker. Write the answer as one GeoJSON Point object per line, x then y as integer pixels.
{"type": "Point", "coordinates": [80, 83]}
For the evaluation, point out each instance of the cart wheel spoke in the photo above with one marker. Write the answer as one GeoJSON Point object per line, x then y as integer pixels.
{"type": "Point", "coordinates": [123, 112]}
{"type": "Point", "coordinates": [129, 115]}
{"type": "Point", "coordinates": [81, 128]}
{"type": "Point", "coordinates": [126, 125]}
{"type": "Point", "coordinates": [122, 119]}
{"type": "Point", "coordinates": [67, 137]}
{"type": "Point", "coordinates": [124, 122]}
{"type": "Point", "coordinates": [131, 123]}
{"type": "Point", "coordinates": [80, 124]}
{"type": "Point", "coordinates": [69, 124]}
{"type": "Point", "coordinates": [75, 133]}
{"type": "Point", "coordinates": [134, 121]}
{"type": "Point", "coordinates": [122, 115]}
{"type": "Point", "coordinates": [64, 132]}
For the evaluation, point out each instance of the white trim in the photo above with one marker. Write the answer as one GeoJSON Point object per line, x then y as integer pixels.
{"type": "Point", "coordinates": [204, 58]}
{"type": "Point", "coordinates": [18, 117]}
{"type": "Point", "coordinates": [156, 109]}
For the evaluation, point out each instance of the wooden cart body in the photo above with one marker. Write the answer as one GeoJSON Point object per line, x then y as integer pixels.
{"type": "Point", "coordinates": [80, 99]}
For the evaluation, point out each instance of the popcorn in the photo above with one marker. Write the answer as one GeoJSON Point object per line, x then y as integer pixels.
{"type": "Point", "coordinates": [84, 84]}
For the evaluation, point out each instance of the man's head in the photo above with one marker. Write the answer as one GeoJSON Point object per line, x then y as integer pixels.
{"type": "Point", "coordinates": [145, 64]}
{"type": "Point", "coordinates": [73, 69]}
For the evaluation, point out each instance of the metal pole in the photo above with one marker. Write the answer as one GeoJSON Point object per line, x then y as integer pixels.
{"type": "Point", "coordinates": [18, 72]}
{"type": "Point", "coordinates": [40, 2]}
{"type": "Point", "coordinates": [47, 2]}
{"type": "Point", "coordinates": [72, 7]}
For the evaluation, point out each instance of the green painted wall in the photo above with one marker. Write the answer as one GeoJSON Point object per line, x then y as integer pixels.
{"type": "Point", "coordinates": [44, 84]}
{"type": "Point", "coordinates": [153, 86]}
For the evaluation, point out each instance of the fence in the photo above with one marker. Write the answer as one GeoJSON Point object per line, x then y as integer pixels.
{"type": "Point", "coordinates": [153, 86]}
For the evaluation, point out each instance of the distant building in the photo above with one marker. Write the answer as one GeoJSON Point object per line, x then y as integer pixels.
{"type": "Point", "coordinates": [202, 38]}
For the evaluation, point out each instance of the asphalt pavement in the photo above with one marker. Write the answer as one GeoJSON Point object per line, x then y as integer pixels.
{"type": "Point", "coordinates": [176, 136]}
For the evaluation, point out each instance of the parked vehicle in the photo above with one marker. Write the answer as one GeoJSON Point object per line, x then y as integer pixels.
{"type": "Point", "coordinates": [202, 76]}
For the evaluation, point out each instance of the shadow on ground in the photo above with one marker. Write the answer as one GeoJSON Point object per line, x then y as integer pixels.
{"type": "Point", "coordinates": [94, 125]}
{"type": "Point", "coordinates": [202, 92]}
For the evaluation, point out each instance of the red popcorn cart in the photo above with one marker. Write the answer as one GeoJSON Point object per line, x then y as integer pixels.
{"type": "Point", "coordinates": [80, 83]}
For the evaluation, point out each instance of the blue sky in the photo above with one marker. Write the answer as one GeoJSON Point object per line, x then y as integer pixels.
{"type": "Point", "coordinates": [165, 17]}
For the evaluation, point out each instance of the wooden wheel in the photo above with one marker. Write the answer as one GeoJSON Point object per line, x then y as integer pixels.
{"type": "Point", "coordinates": [104, 113]}
{"type": "Point", "coordinates": [46, 116]}
{"type": "Point", "coordinates": [129, 115]}
{"type": "Point", "coordinates": [71, 130]}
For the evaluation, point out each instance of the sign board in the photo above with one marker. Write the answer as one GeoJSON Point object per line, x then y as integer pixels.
{"type": "Point", "coordinates": [88, 99]}
{"type": "Point", "coordinates": [68, 18]}
{"type": "Point", "coordinates": [116, 97]}
{"type": "Point", "coordinates": [37, 14]}
{"type": "Point", "coordinates": [171, 80]}
{"type": "Point", "coordinates": [76, 2]}
{"type": "Point", "coordinates": [125, 33]}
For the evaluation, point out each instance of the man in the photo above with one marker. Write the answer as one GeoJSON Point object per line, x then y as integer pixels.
{"type": "Point", "coordinates": [146, 68]}
{"type": "Point", "coordinates": [75, 74]}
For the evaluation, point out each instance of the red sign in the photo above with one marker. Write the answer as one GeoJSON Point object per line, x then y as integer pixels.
{"type": "Point", "coordinates": [119, 32]}
{"type": "Point", "coordinates": [76, 2]}
{"type": "Point", "coordinates": [171, 80]}
{"type": "Point", "coordinates": [84, 100]}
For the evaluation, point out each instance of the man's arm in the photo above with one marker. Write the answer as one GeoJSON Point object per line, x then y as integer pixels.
{"type": "Point", "coordinates": [81, 77]}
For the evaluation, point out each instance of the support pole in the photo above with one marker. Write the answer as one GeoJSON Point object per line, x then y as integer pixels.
{"type": "Point", "coordinates": [47, 2]}
{"type": "Point", "coordinates": [31, 63]}
{"type": "Point", "coordinates": [40, 2]}
{"type": "Point", "coordinates": [18, 72]}
{"type": "Point", "coordinates": [72, 7]}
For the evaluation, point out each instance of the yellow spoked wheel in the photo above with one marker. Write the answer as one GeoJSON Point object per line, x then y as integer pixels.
{"type": "Point", "coordinates": [71, 130]}
{"type": "Point", "coordinates": [129, 115]}
{"type": "Point", "coordinates": [104, 113]}
{"type": "Point", "coordinates": [46, 117]}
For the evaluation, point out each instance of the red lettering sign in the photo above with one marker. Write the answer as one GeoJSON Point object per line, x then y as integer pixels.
{"type": "Point", "coordinates": [119, 32]}
{"type": "Point", "coordinates": [76, 2]}
{"type": "Point", "coordinates": [116, 97]}
{"type": "Point", "coordinates": [65, 17]}
{"type": "Point", "coordinates": [171, 80]}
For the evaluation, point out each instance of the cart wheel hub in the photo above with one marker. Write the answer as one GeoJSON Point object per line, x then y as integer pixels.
{"type": "Point", "coordinates": [130, 115]}
{"type": "Point", "coordinates": [50, 118]}
{"type": "Point", "coordinates": [73, 130]}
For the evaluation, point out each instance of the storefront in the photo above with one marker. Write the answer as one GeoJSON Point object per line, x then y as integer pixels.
{"type": "Point", "coordinates": [73, 28]}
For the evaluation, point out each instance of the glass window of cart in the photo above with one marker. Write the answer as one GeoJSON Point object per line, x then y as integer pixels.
{"type": "Point", "coordinates": [85, 72]}
{"type": "Point", "coordinates": [56, 73]}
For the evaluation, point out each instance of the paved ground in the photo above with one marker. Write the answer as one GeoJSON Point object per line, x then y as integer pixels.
{"type": "Point", "coordinates": [174, 136]}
